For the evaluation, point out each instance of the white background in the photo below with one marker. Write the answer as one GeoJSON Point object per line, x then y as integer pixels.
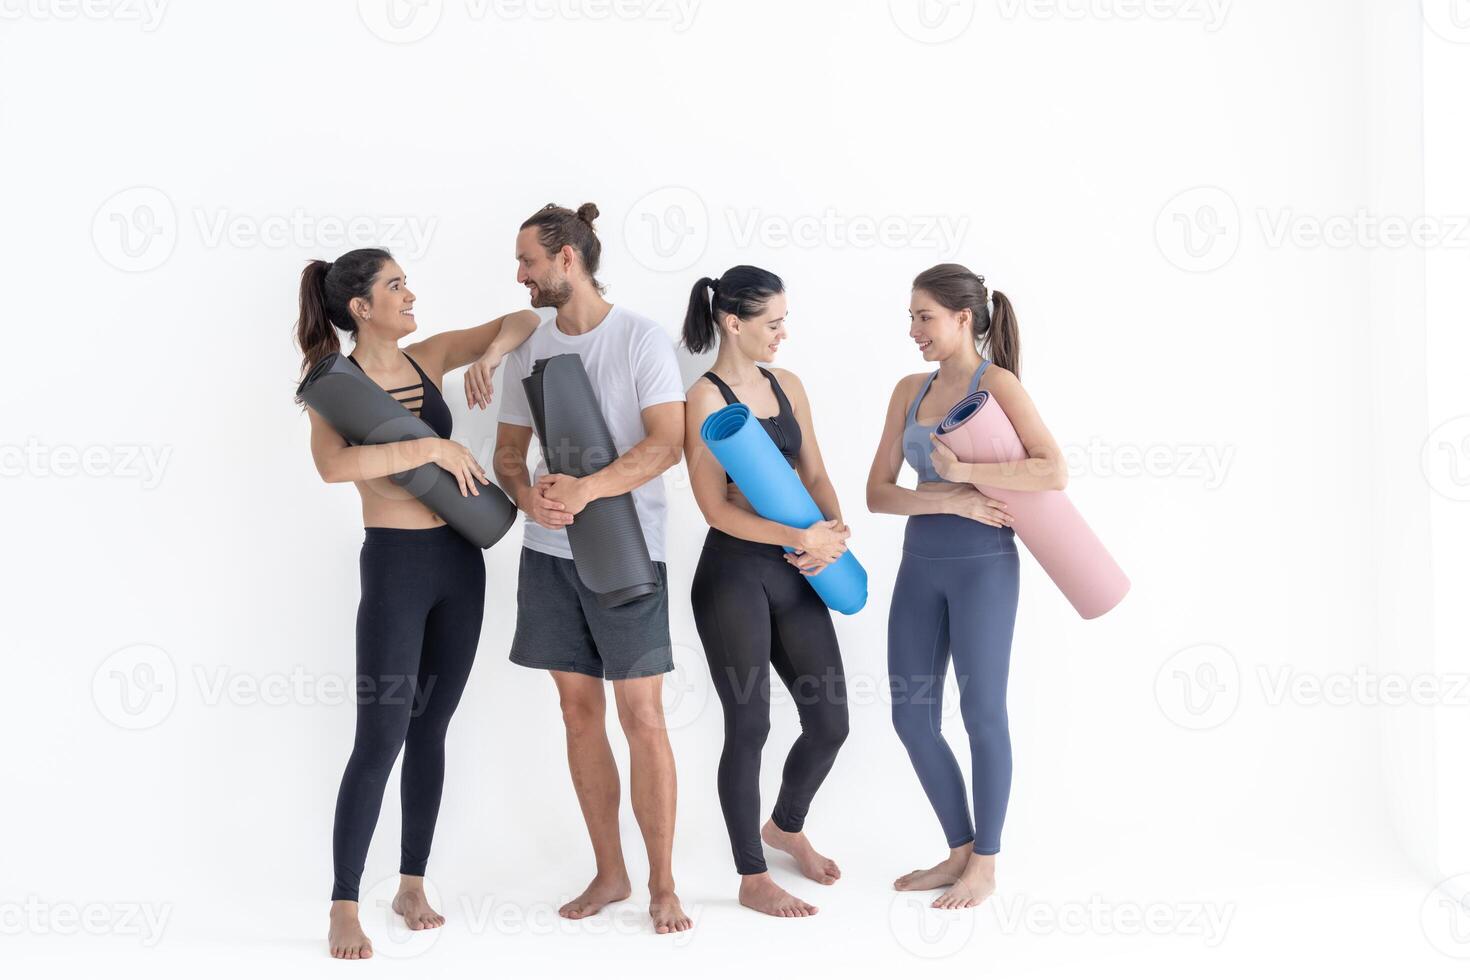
{"type": "Point", "coordinates": [1267, 428]}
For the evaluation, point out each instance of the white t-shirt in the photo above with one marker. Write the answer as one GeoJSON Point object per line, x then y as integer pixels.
{"type": "Point", "coordinates": [631, 363]}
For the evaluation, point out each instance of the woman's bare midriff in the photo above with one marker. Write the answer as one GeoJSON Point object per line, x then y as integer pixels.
{"type": "Point", "coordinates": [734, 496]}
{"type": "Point", "coordinates": [385, 504]}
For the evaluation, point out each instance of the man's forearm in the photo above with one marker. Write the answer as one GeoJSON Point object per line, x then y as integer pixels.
{"type": "Point", "coordinates": [644, 462]}
{"type": "Point", "coordinates": [511, 473]}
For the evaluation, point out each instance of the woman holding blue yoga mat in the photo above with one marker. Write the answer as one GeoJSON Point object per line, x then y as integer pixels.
{"type": "Point", "coordinates": [958, 583]}
{"type": "Point", "coordinates": [753, 604]}
{"type": "Point", "coordinates": [423, 584]}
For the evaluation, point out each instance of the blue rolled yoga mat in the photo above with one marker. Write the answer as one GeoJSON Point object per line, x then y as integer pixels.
{"type": "Point", "coordinates": [777, 494]}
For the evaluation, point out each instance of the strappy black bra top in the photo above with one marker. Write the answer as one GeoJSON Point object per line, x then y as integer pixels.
{"type": "Point", "coordinates": [423, 399]}
{"type": "Point", "coordinates": [783, 428]}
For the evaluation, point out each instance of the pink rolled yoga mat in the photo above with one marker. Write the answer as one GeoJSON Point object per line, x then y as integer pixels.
{"type": "Point", "coordinates": [977, 431]}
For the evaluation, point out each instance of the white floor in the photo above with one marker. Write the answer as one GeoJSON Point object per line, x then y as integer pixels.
{"type": "Point", "coordinates": [1197, 915]}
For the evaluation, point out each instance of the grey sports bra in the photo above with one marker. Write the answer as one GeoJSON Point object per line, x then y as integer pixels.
{"type": "Point", "coordinates": [916, 443]}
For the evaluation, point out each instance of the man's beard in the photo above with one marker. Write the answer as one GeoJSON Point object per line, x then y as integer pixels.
{"type": "Point", "coordinates": [554, 294]}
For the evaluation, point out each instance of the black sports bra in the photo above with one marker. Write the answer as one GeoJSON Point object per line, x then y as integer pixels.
{"type": "Point", "coordinates": [783, 429]}
{"type": "Point", "coordinates": [423, 399]}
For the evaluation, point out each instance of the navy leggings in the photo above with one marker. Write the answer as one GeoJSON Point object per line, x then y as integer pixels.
{"type": "Point", "coordinates": [955, 598]}
{"type": "Point", "coordinates": [418, 624]}
{"type": "Point", "coordinates": [753, 609]}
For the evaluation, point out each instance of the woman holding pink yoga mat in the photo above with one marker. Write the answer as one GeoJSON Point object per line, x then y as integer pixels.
{"type": "Point", "coordinates": [958, 583]}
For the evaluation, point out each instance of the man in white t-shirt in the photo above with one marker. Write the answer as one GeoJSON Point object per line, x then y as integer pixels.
{"type": "Point", "coordinates": [560, 627]}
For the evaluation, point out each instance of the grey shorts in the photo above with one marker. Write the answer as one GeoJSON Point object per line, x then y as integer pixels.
{"type": "Point", "coordinates": [560, 626]}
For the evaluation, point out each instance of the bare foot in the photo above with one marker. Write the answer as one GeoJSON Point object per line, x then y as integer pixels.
{"type": "Point", "coordinates": [942, 875]}
{"type": "Point", "coordinates": [820, 869]}
{"type": "Point", "coordinates": [345, 937]}
{"type": "Point", "coordinates": [602, 891]}
{"type": "Point", "coordinates": [668, 915]}
{"type": "Point", "coordinates": [976, 883]}
{"type": "Point", "coordinates": [413, 905]}
{"type": "Point", "coordinates": [761, 893]}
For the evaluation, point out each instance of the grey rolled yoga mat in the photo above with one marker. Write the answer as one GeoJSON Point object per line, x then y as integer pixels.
{"type": "Point", "coordinates": [607, 541]}
{"type": "Point", "coordinates": [365, 414]}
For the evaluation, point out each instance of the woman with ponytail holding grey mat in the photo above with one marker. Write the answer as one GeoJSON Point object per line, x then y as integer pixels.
{"type": "Point", "coordinates": [958, 583]}
{"type": "Point", "coordinates": [423, 584]}
{"type": "Point", "coordinates": [752, 604]}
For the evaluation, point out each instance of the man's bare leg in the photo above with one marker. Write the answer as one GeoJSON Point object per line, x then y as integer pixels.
{"type": "Point", "coordinates": [595, 778]}
{"type": "Point", "coordinates": [641, 712]}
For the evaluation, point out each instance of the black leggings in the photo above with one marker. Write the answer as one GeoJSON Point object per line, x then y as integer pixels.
{"type": "Point", "coordinates": [418, 624]}
{"type": "Point", "coordinates": [753, 609]}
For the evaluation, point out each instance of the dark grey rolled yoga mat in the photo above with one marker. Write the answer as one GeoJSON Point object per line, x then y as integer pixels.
{"type": "Point", "coordinates": [365, 414]}
{"type": "Point", "coordinates": [607, 540]}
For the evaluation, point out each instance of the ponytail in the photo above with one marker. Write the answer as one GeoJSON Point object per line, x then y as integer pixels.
{"type": "Point", "coordinates": [699, 320]}
{"type": "Point", "coordinates": [326, 289]}
{"type": "Point", "coordinates": [314, 333]}
{"type": "Point", "coordinates": [743, 290]}
{"type": "Point", "coordinates": [956, 288]}
{"type": "Point", "coordinates": [1003, 339]}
